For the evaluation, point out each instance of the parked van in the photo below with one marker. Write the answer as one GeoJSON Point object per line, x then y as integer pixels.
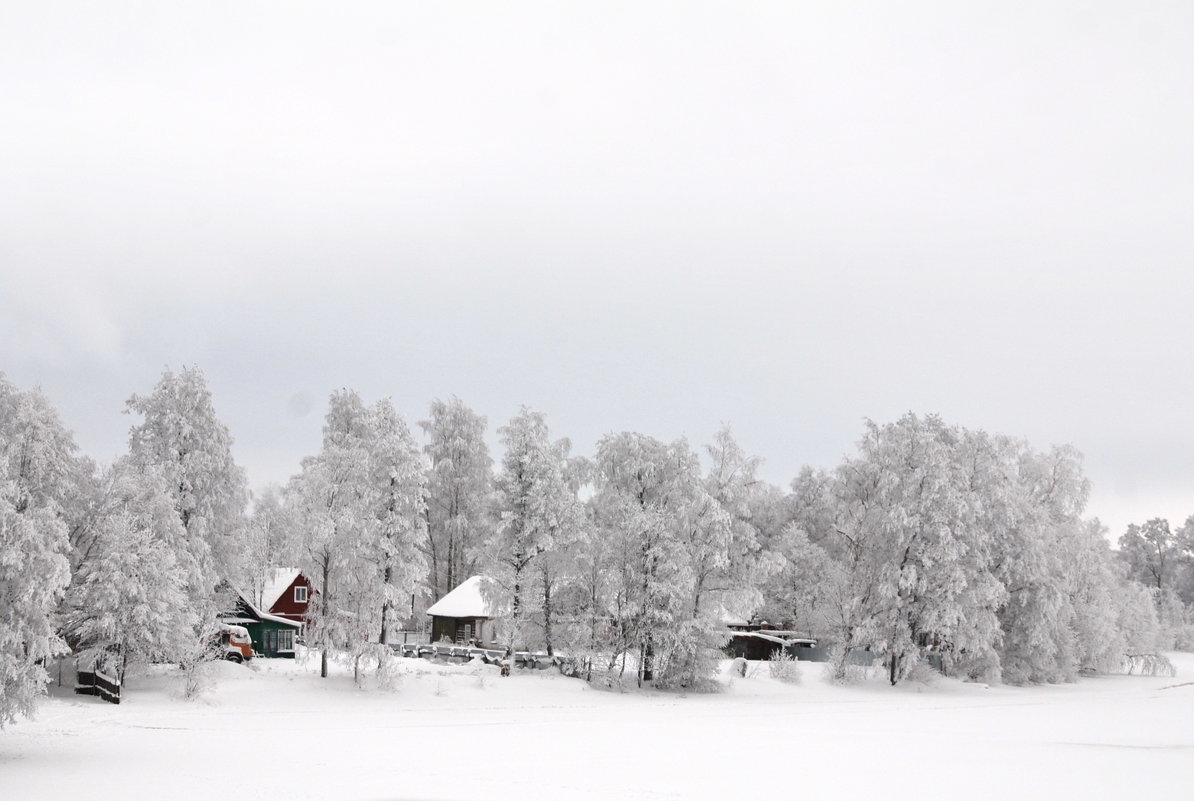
{"type": "Point", "coordinates": [237, 645]}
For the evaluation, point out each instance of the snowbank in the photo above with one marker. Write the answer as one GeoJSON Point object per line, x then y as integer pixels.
{"type": "Point", "coordinates": [461, 732]}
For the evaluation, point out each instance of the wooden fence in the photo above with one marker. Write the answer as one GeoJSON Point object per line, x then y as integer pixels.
{"type": "Point", "coordinates": [461, 654]}
{"type": "Point", "coordinates": [93, 682]}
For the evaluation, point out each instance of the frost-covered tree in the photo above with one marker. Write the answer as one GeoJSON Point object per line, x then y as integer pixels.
{"type": "Point", "coordinates": [1185, 545]}
{"type": "Point", "coordinates": [1046, 559]}
{"type": "Point", "coordinates": [1098, 644]}
{"type": "Point", "coordinates": [36, 466]}
{"type": "Point", "coordinates": [1176, 620]}
{"type": "Point", "coordinates": [651, 506]}
{"type": "Point", "coordinates": [336, 525]}
{"type": "Point", "coordinates": [398, 474]}
{"type": "Point", "coordinates": [594, 604]}
{"type": "Point", "coordinates": [127, 604]}
{"type": "Point", "coordinates": [459, 493]}
{"type": "Point", "coordinates": [809, 591]}
{"type": "Point", "coordinates": [358, 514]}
{"type": "Point", "coordinates": [269, 540]}
{"type": "Point", "coordinates": [1137, 617]}
{"type": "Point", "coordinates": [937, 538]}
{"type": "Point", "coordinates": [561, 570]}
{"type": "Point", "coordinates": [181, 438]}
{"type": "Point", "coordinates": [791, 527]}
{"type": "Point", "coordinates": [1163, 560]}
{"type": "Point", "coordinates": [1151, 553]}
{"type": "Point", "coordinates": [731, 569]}
{"type": "Point", "coordinates": [537, 505]}
{"type": "Point", "coordinates": [34, 572]}
{"type": "Point", "coordinates": [915, 557]}
{"type": "Point", "coordinates": [39, 453]}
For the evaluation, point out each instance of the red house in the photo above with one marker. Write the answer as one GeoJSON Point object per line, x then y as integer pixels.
{"type": "Point", "coordinates": [286, 593]}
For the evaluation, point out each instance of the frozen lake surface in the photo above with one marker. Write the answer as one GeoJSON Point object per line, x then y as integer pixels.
{"type": "Point", "coordinates": [274, 730]}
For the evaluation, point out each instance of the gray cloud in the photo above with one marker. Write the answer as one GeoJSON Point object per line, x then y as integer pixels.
{"type": "Point", "coordinates": [784, 216]}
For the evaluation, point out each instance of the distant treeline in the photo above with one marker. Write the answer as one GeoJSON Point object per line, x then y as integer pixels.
{"type": "Point", "coordinates": [931, 538]}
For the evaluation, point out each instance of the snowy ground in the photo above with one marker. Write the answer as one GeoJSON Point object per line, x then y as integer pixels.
{"type": "Point", "coordinates": [276, 731]}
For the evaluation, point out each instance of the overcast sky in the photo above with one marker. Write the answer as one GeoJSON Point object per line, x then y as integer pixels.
{"type": "Point", "coordinates": [656, 217]}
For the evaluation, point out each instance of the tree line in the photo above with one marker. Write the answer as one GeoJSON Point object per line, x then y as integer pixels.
{"type": "Point", "coordinates": [930, 538]}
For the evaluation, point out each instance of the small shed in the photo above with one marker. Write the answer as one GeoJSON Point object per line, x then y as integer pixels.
{"type": "Point", "coordinates": [465, 615]}
{"type": "Point", "coordinates": [761, 644]}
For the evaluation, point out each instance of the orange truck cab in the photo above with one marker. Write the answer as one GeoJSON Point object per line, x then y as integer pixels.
{"type": "Point", "coordinates": [237, 645]}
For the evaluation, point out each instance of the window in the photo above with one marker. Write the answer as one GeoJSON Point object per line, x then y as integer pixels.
{"type": "Point", "coordinates": [275, 640]}
{"type": "Point", "coordinates": [300, 595]}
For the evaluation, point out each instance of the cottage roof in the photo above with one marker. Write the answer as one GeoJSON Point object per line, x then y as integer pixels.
{"type": "Point", "coordinates": [276, 583]}
{"type": "Point", "coordinates": [258, 616]}
{"type": "Point", "coordinates": [467, 600]}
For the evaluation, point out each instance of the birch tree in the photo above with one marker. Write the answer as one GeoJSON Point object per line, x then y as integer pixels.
{"type": "Point", "coordinates": [537, 506]}
{"type": "Point", "coordinates": [398, 477]}
{"type": "Point", "coordinates": [36, 465]}
{"type": "Point", "coordinates": [653, 509]}
{"type": "Point", "coordinates": [1151, 553]}
{"type": "Point", "coordinates": [127, 604]}
{"type": "Point", "coordinates": [459, 493]}
{"type": "Point", "coordinates": [917, 560]}
{"type": "Point", "coordinates": [181, 438]}
{"type": "Point", "coordinates": [331, 498]}
{"type": "Point", "coordinates": [269, 544]}
{"type": "Point", "coordinates": [736, 566]}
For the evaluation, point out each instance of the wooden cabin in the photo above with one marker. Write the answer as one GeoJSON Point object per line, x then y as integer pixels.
{"type": "Point", "coordinates": [272, 635]}
{"type": "Point", "coordinates": [465, 615]}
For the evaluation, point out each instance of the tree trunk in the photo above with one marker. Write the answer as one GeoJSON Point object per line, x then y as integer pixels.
{"type": "Point", "coordinates": [515, 616]}
{"type": "Point", "coordinates": [323, 612]}
{"type": "Point", "coordinates": [547, 612]}
{"type": "Point", "coordinates": [385, 607]}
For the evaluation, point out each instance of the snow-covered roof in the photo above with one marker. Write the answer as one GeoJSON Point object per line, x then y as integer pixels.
{"type": "Point", "coordinates": [284, 620]}
{"type": "Point", "coordinates": [774, 636]}
{"type": "Point", "coordinates": [260, 615]}
{"type": "Point", "coordinates": [728, 618]}
{"type": "Point", "coordinates": [467, 600]}
{"type": "Point", "coordinates": [276, 583]}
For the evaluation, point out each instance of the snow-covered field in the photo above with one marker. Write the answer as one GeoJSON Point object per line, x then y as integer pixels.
{"type": "Point", "coordinates": [276, 731]}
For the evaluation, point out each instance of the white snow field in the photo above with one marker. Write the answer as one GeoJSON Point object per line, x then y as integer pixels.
{"type": "Point", "coordinates": [275, 730]}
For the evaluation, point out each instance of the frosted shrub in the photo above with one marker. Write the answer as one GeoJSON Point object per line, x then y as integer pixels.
{"type": "Point", "coordinates": [389, 670]}
{"type": "Point", "coordinates": [1149, 665]}
{"type": "Point", "coordinates": [783, 666]}
{"type": "Point", "coordinates": [741, 667]}
{"type": "Point", "coordinates": [846, 674]}
{"type": "Point", "coordinates": [199, 679]}
{"type": "Point", "coordinates": [921, 672]}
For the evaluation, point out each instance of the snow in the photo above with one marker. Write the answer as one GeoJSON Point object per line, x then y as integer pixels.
{"type": "Point", "coordinates": [277, 583]}
{"type": "Point", "coordinates": [461, 732]}
{"type": "Point", "coordinates": [464, 601]}
{"type": "Point", "coordinates": [261, 616]}
{"type": "Point", "coordinates": [285, 621]}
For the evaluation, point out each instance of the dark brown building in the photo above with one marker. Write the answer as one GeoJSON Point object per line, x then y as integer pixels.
{"type": "Point", "coordinates": [464, 616]}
